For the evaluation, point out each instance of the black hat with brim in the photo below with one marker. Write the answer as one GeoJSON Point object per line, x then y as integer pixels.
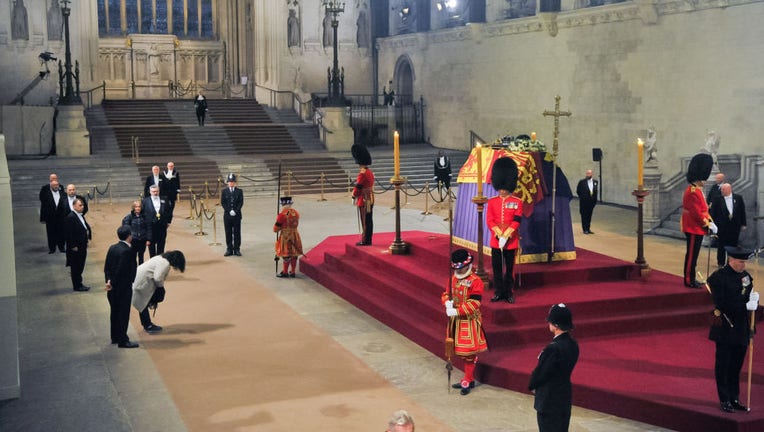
{"type": "Point", "coordinates": [738, 252]}
{"type": "Point", "coordinates": [460, 258]}
{"type": "Point", "coordinates": [504, 174]}
{"type": "Point", "coordinates": [560, 316]}
{"type": "Point", "coordinates": [700, 167]}
{"type": "Point", "coordinates": [360, 154]}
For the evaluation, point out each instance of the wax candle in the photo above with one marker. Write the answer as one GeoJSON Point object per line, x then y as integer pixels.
{"type": "Point", "coordinates": [397, 154]}
{"type": "Point", "coordinates": [479, 156]}
{"type": "Point", "coordinates": [640, 163]}
{"type": "Point", "coordinates": [533, 136]}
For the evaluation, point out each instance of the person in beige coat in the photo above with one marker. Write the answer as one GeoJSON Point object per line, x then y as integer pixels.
{"type": "Point", "coordinates": [150, 276]}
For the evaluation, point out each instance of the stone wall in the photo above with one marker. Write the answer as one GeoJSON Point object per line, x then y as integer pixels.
{"type": "Point", "coordinates": [683, 68]}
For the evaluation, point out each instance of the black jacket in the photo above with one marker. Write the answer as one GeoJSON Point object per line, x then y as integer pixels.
{"type": "Point", "coordinates": [232, 201]}
{"type": "Point", "coordinates": [729, 227]}
{"type": "Point", "coordinates": [586, 197]}
{"type": "Point", "coordinates": [75, 234]}
{"type": "Point", "coordinates": [551, 378]}
{"type": "Point", "coordinates": [120, 266]}
{"type": "Point", "coordinates": [730, 291]}
{"type": "Point", "coordinates": [49, 211]}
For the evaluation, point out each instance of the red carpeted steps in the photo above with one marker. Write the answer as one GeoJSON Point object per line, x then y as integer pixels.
{"type": "Point", "coordinates": [644, 348]}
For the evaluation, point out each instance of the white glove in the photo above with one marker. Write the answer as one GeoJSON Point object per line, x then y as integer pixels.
{"type": "Point", "coordinates": [713, 228]}
{"type": "Point", "coordinates": [451, 312]}
{"type": "Point", "coordinates": [753, 296]}
{"type": "Point", "coordinates": [232, 212]}
{"type": "Point", "coordinates": [502, 242]}
{"type": "Point", "coordinates": [449, 304]}
{"type": "Point", "coordinates": [751, 306]}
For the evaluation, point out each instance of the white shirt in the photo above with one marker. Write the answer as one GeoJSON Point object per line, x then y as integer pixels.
{"type": "Point", "coordinates": [56, 196]}
{"type": "Point", "coordinates": [590, 183]}
{"type": "Point", "coordinates": [168, 174]}
{"type": "Point", "coordinates": [82, 220]}
{"type": "Point", "coordinates": [157, 203]}
{"type": "Point", "coordinates": [728, 202]}
{"type": "Point", "coordinates": [71, 202]}
{"type": "Point", "coordinates": [156, 180]}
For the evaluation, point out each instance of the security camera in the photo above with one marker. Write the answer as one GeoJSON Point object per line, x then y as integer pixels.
{"type": "Point", "coordinates": [46, 56]}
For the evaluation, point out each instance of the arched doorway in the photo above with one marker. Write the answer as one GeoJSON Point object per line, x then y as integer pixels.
{"type": "Point", "coordinates": [404, 81]}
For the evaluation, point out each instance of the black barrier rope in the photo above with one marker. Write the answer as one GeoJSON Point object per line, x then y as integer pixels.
{"type": "Point", "coordinates": [204, 210]}
{"type": "Point", "coordinates": [297, 180]}
{"type": "Point", "coordinates": [345, 185]}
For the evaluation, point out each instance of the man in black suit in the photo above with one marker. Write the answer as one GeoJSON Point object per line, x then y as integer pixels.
{"type": "Point", "coordinates": [587, 196]}
{"type": "Point", "coordinates": [119, 273]}
{"type": "Point", "coordinates": [157, 179]}
{"type": "Point", "coordinates": [157, 212]}
{"type": "Point", "coordinates": [77, 234]}
{"type": "Point", "coordinates": [716, 189]}
{"type": "Point", "coordinates": [728, 213]}
{"type": "Point", "coordinates": [172, 184]}
{"type": "Point", "coordinates": [550, 381]}
{"type": "Point", "coordinates": [52, 212]}
{"type": "Point", "coordinates": [232, 199]}
{"type": "Point", "coordinates": [71, 195]}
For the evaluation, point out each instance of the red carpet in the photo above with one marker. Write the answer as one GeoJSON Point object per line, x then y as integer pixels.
{"type": "Point", "coordinates": [644, 348]}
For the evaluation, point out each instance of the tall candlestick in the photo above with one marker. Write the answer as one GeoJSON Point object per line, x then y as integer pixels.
{"type": "Point", "coordinates": [479, 156]}
{"type": "Point", "coordinates": [397, 154]}
{"type": "Point", "coordinates": [640, 163]}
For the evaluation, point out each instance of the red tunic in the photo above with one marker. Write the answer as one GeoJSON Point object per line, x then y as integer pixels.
{"type": "Point", "coordinates": [289, 243]}
{"type": "Point", "coordinates": [469, 338]}
{"type": "Point", "coordinates": [503, 216]}
{"type": "Point", "coordinates": [695, 217]}
{"type": "Point", "coordinates": [364, 188]}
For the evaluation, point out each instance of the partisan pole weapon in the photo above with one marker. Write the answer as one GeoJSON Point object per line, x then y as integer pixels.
{"type": "Point", "coordinates": [717, 312]}
{"type": "Point", "coordinates": [278, 201]}
{"type": "Point", "coordinates": [750, 337]}
{"type": "Point", "coordinates": [451, 321]}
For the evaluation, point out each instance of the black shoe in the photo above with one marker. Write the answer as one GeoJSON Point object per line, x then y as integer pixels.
{"type": "Point", "coordinates": [693, 285]}
{"type": "Point", "coordinates": [292, 275]}
{"type": "Point", "coordinates": [466, 390]}
{"type": "Point", "coordinates": [510, 299]}
{"type": "Point", "coordinates": [738, 406]}
{"type": "Point", "coordinates": [282, 275]}
{"type": "Point", "coordinates": [237, 252]}
{"type": "Point", "coordinates": [727, 407]}
{"type": "Point", "coordinates": [228, 252]}
{"type": "Point", "coordinates": [459, 385]}
{"type": "Point", "coordinates": [127, 344]}
{"type": "Point", "coordinates": [153, 329]}
{"type": "Point", "coordinates": [82, 288]}
{"type": "Point", "coordinates": [497, 297]}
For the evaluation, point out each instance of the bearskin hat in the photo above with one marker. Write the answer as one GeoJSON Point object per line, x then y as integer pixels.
{"type": "Point", "coordinates": [700, 167]}
{"type": "Point", "coordinates": [460, 258]}
{"type": "Point", "coordinates": [504, 174]}
{"type": "Point", "coordinates": [360, 154]}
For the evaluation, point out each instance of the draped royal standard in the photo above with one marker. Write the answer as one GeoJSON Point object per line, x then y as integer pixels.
{"type": "Point", "coordinates": [534, 189]}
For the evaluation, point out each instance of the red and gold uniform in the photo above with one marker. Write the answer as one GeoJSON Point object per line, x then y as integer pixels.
{"type": "Point", "coordinates": [363, 193]}
{"type": "Point", "coordinates": [466, 327]}
{"type": "Point", "coordinates": [288, 244]}
{"type": "Point", "coordinates": [694, 223]}
{"type": "Point", "coordinates": [503, 214]}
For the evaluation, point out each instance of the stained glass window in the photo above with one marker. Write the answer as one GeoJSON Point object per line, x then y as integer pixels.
{"type": "Point", "coordinates": [153, 20]}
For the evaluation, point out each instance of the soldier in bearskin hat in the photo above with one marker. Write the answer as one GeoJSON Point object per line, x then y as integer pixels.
{"type": "Point", "coordinates": [550, 380]}
{"type": "Point", "coordinates": [503, 214]}
{"type": "Point", "coordinates": [288, 243]}
{"type": "Point", "coordinates": [363, 193]}
{"type": "Point", "coordinates": [696, 221]}
{"type": "Point", "coordinates": [462, 301]}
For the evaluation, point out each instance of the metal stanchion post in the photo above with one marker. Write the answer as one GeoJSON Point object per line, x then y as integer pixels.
{"type": "Point", "coordinates": [426, 199]}
{"type": "Point", "coordinates": [201, 221]}
{"type": "Point", "coordinates": [191, 202]}
{"type": "Point", "coordinates": [215, 241]}
{"type": "Point", "coordinates": [323, 176]}
{"type": "Point", "coordinates": [206, 191]}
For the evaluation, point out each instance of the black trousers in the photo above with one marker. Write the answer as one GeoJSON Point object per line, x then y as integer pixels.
{"type": "Point", "coordinates": [119, 316]}
{"type": "Point", "coordinates": [232, 232]}
{"type": "Point", "coordinates": [139, 247]}
{"type": "Point", "coordinates": [729, 361]}
{"type": "Point", "coordinates": [200, 114]}
{"type": "Point", "coordinates": [367, 223]}
{"type": "Point", "coordinates": [694, 242]}
{"type": "Point", "coordinates": [76, 262]}
{"type": "Point", "coordinates": [503, 281]}
{"type": "Point", "coordinates": [156, 247]}
{"type": "Point", "coordinates": [553, 422]}
{"type": "Point", "coordinates": [145, 317]}
{"type": "Point", "coordinates": [55, 233]}
{"type": "Point", "coordinates": [586, 211]}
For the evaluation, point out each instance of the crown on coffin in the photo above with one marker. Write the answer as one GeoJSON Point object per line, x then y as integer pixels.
{"type": "Point", "coordinates": [520, 143]}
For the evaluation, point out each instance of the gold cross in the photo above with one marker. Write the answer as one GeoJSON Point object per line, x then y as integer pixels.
{"type": "Point", "coordinates": [556, 114]}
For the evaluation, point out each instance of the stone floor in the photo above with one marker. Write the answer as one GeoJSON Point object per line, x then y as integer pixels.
{"type": "Point", "coordinates": [66, 374]}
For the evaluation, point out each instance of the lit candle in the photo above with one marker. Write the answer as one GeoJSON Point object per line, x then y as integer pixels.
{"type": "Point", "coordinates": [533, 136]}
{"type": "Point", "coordinates": [397, 154]}
{"type": "Point", "coordinates": [479, 156]}
{"type": "Point", "coordinates": [640, 163]}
